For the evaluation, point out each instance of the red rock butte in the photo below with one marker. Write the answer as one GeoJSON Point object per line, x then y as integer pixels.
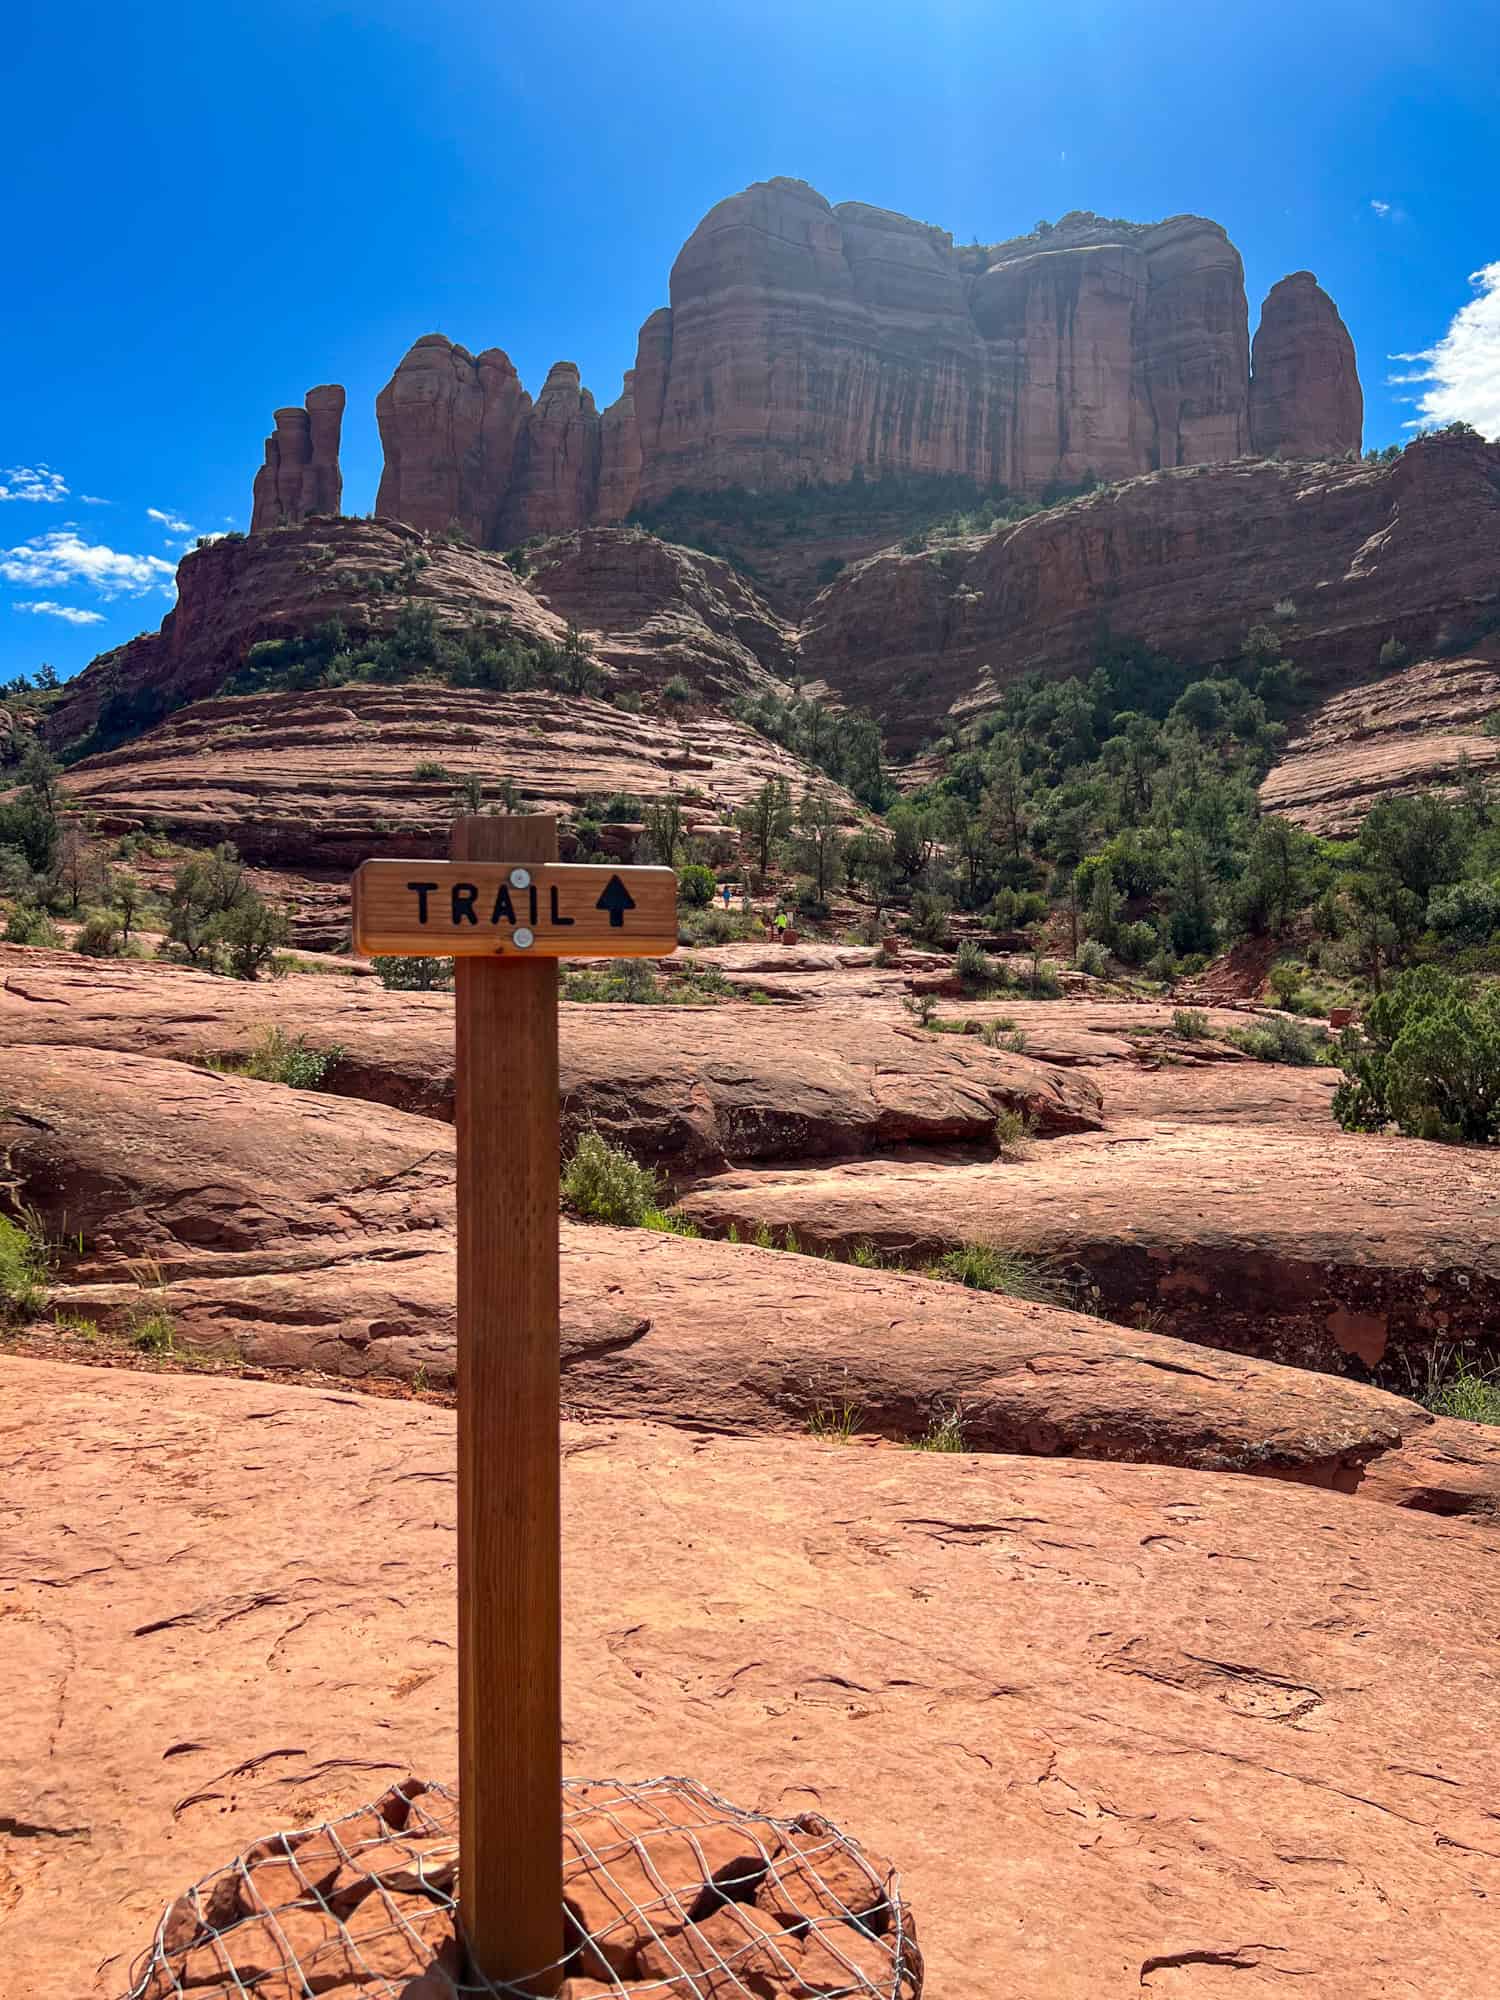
{"type": "Point", "coordinates": [812, 341]}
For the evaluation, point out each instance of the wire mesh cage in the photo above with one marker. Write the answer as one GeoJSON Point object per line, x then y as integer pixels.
{"type": "Point", "coordinates": [667, 1890]}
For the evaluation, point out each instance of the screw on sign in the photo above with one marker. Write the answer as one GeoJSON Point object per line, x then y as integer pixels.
{"type": "Point", "coordinates": [506, 909]}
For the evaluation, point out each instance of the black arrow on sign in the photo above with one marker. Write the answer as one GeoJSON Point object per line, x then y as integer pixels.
{"type": "Point", "coordinates": [617, 899]}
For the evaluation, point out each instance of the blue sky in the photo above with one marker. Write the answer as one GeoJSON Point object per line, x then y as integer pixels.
{"type": "Point", "coordinates": [213, 208]}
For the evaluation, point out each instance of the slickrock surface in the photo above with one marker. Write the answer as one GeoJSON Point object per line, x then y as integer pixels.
{"type": "Point", "coordinates": [234, 593]}
{"type": "Point", "coordinates": [328, 778]}
{"type": "Point", "coordinates": [1188, 559]}
{"type": "Point", "coordinates": [1169, 1731]}
{"type": "Point", "coordinates": [689, 1087]}
{"type": "Point", "coordinates": [1305, 398]}
{"type": "Point", "coordinates": [1410, 731]}
{"type": "Point", "coordinates": [1324, 1253]}
{"type": "Point", "coordinates": [301, 474]}
{"type": "Point", "coordinates": [152, 1179]}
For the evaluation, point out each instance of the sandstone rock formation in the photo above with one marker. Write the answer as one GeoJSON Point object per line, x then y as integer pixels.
{"type": "Point", "coordinates": [1043, 1689]}
{"type": "Point", "coordinates": [810, 341]}
{"type": "Point", "coordinates": [301, 474]}
{"type": "Point", "coordinates": [1410, 731]}
{"type": "Point", "coordinates": [1186, 561]}
{"type": "Point", "coordinates": [236, 592]}
{"type": "Point", "coordinates": [320, 780]}
{"type": "Point", "coordinates": [467, 451]}
{"type": "Point", "coordinates": [556, 484]}
{"type": "Point", "coordinates": [449, 422]}
{"type": "Point", "coordinates": [806, 340]}
{"type": "Point", "coordinates": [1305, 398]}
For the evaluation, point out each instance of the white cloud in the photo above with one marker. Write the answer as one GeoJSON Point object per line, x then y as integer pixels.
{"type": "Point", "coordinates": [1461, 373]}
{"type": "Point", "coordinates": [174, 523]}
{"type": "Point", "coordinates": [1381, 208]}
{"type": "Point", "coordinates": [48, 609]}
{"type": "Point", "coordinates": [32, 482]}
{"type": "Point", "coordinates": [64, 558]}
{"type": "Point", "coordinates": [93, 500]}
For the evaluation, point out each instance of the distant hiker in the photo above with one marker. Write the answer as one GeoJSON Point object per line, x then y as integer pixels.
{"type": "Point", "coordinates": [724, 892]}
{"type": "Point", "coordinates": [781, 922]}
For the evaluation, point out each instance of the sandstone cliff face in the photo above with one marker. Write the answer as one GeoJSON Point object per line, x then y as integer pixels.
{"type": "Point", "coordinates": [1185, 561]}
{"type": "Point", "coordinates": [301, 474]}
{"type": "Point", "coordinates": [807, 341]}
{"type": "Point", "coordinates": [555, 481]}
{"type": "Point", "coordinates": [1305, 398]}
{"type": "Point", "coordinates": [466, 449]}
{"type": "Point", "coordinates": [449, 421]}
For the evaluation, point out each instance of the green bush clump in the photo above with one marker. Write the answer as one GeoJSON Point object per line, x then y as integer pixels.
{"type": "Point", "coordinates": [1191, 1023]}
{"type": "Point", "coordinates": [985, 1267]}
{"type": "Point", "coordinates": [696, 885]}
{"type": "Point", "coordinates": [976, 969]}
{"type": "Point", "coordinates": [602, 1183]}
{"type": "Point", "coordinates": [1427, 1062]}
{"type": "Point", "coordinates": [277, 1057]}
{"type": "Point", "coordinates": [414, 975]}
{"type": "Point", "coordinates": [23, 1269]}
{"type": "Point", "coordinates": [29, 925]}
{"type": "Point", "coordinates": [1461, 1390]}
{"type": "Point", "coordinates": [1277, 1040]}
{"type": "Point", "coordinates": [101, 934]}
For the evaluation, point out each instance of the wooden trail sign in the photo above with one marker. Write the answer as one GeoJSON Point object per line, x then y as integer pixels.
{"type": "Point", "coordinates": [477, 908]}
{"type": "Point", "coordinates": [509, 1512]}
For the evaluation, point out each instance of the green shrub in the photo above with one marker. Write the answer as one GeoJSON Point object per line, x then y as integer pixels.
{"type": "Point", "coordinates": [837, 1423]}
{"type": "Point", "coordinates": [1277, 1040]}
{"type": "Point", "coordinates": [921, 1007]}
{"type": "Point", "coordinates": [428, 768]}
{"type": "Point", "coordinates": [1392, 654]}
{"type": "Point", "coordinates": [602, 1183]}
{"type": "Point", "coordinates": [929, 918]}
{"type": "Point", "coordinates": [696, 885]}
{"type": "Point", "coordinates": [1092, 958]}
{"type": "Point", "coordinates": [1428, 1061]}
{"type": "Point", "coordinates": [414, 975]}
{"type": "Point", "coordinates": [1014, 1131]}
{"type": "Point", "coordinates": [984, 1267]}
{"type": "Point", "coordinates": [23, 1269]}
{"type": "Point", "coordinates": [677, 692]}
{"type": "Point", "coordinates": [669, 1223]}
{"type": "Point", "coordinates": [152, 1331]}
{"type": "Point", "coordinates": [1191, 1023]}
{"type": "Point", "coordinates": [277, 1057]}
{"type": "Point", "coordinates": [29, 925]}
{"type": "Point", "coordinates": [101, 934]}
{"type": "Point", "coordinates": [1461, 1390]}
{"type": "Point", "coordinates": [976, 969]}
{"type": "Point", "coordinates": [944, 1432]}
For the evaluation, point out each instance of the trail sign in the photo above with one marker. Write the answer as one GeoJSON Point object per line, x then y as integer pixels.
{"type": "Point", "coordinates": [507, 922]}
{"type": "Point", "coordinates": [478, 909]}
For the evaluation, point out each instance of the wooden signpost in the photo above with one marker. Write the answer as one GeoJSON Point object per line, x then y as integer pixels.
{"type": "Point", "coordinates": [507, 910]}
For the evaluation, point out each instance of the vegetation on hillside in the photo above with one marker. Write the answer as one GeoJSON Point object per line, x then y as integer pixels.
{"type": "Point", "coordinates": [416, 648]}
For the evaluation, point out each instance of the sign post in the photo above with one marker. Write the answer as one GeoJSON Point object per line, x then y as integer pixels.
{"type": "Point", "coordinates": [507, 910]}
